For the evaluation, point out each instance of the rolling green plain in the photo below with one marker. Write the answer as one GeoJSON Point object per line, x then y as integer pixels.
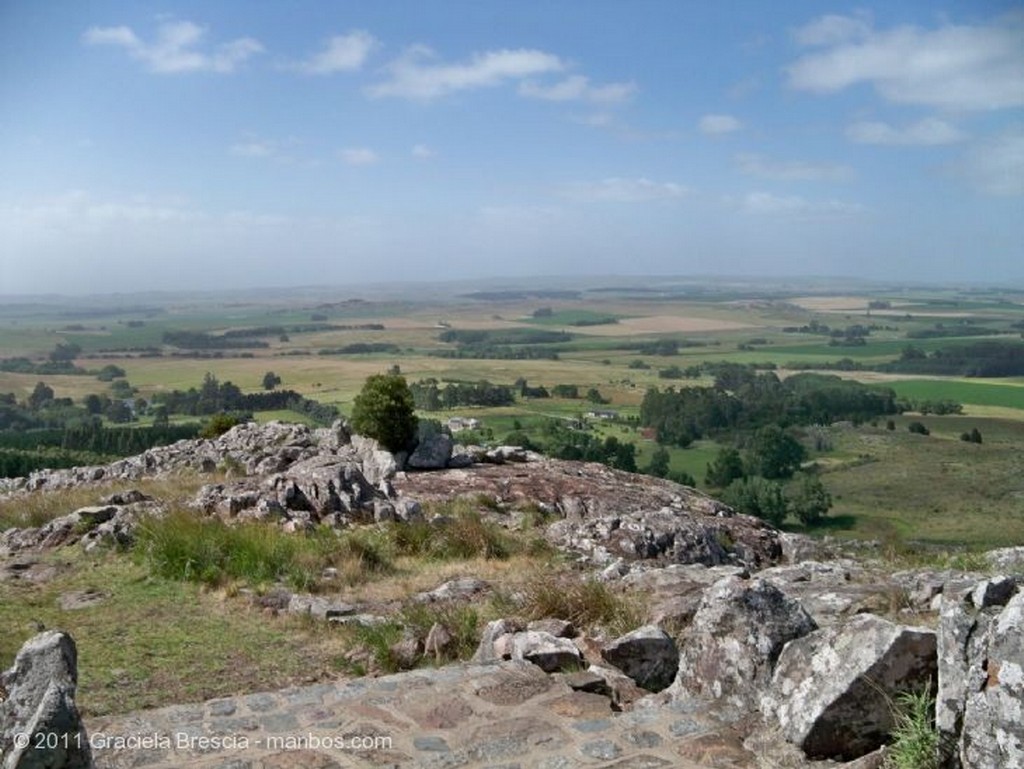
{"type": "Point", "coordinates": [901, 489]}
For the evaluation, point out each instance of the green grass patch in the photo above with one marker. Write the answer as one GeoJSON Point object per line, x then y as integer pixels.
{"type": "Point", "coordinates": [183, 546]}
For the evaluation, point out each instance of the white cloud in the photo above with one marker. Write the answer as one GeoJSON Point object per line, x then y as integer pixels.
{"type": "Point", "coordinates": [254, 149]}
{"type": "Point", "coordinates": [928, 132]}
{"type": "Point", "coordinates": [343, 53]}
{"type": "Point", "coordinates": [791, 170]}
{"type": "Point", "coordinates": [77, 208]}
{"type": "Point", "coordinates": [996, 166]}
{"type": "Point", "coordinates": [832, 29]}
{"type": "Point", "coordinates": [624, 190]}
{"type": "Point", "coordinates": [358, 156]}
{"type": "Point", "coordinates": [768, 204]}
{"type": "Point", "coordinates": [422, 152]}
{"type": "Point", "coordinates": [718, 125]}
{"type": "Point", "coordinates": [578, 88]}
{"type": "Point", "coordinates": [956, 67]}
{"type": "Point", "coordinates": [177, 48]}
{"type": "Point", "coordinates": [416, 75]}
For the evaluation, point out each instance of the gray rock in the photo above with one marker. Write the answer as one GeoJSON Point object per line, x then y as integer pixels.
{"type": "Point", "coordinates": [736, 636]}
{"type": "Point", "coordinates": [41, 701]}
{"type": "Point", "coordinates": [460, 589]}
{"type": "Point", "coordinates": [1009, 560]}
{"type": "Point", "coordinates": [648, 655]}
{"type": "Point", "coordinates": [545, 651]}
{"type": "Point", "coordinates": [559, 628]}
{"type": "Point", "coordinates": [832, 690]}
{"type": "Point", "coordinates": [377, 464]}
{"type": "Point", "coordinates": [495, 629]}
{"type": "Point", "coordinates": [980, 703]}
{"type": "Point", "coordinates": [432, 453]}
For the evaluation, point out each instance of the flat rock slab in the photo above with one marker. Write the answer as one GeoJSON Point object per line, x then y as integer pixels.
{"type": "Point", "coordinates": [503, 714]}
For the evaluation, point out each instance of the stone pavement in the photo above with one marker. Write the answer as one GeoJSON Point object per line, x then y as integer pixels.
{"type": "Point", "coordinates": [504, 715]}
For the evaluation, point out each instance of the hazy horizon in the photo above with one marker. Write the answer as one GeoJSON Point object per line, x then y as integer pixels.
{"type": "Point", "coordinates": [242, 146]}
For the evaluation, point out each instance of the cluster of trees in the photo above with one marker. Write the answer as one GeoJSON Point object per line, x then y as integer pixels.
{"type": "Point", "coordinates": [753, 481]}
{"type": "Point", "coordinates": [506, 344]}
{"type": "Point", "coordinates": [361, 348]}
{"type": "Point", "coordinates": [988, 358]}
{"type": "Point", "coordinates": [215, 397]}
{"type": "Point", "coordinates": [429, 395]}
{"type": "Point", "coordinates": [559, 440]}
{"type": "Point", "coordinates": [746, 400]}
{"type": "Point", "coordinates": [200, 340]}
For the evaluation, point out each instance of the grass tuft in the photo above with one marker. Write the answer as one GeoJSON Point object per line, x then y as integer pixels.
{"type": "Point", "coordinates": [584, 602]}
{"type": "Point", "coordinates": [464, 535]}
{"type": "Point", "coordinates": [915, 740]}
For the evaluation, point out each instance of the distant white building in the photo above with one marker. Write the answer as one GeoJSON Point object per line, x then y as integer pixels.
{"type": "Point", "coordinates": [603, 414]}
{"type": "Point", "coordinates": [455, 424]}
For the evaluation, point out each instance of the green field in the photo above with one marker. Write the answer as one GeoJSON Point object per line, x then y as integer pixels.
{"type": "Point", "coordinates": [981, 393]}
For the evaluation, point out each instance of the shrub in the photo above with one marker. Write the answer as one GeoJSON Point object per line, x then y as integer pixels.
{"type": "Point", "coordinates": [811, 501]}
{"type": "Point", "coordinates": [758, 497]}
{"type": "Point", "coordinates": [217, 425]}
{"type": "Point", "coordinates": [918, 428]}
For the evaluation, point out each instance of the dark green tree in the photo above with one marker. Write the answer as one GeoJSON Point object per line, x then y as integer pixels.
{"type": "Point", "coordinates": [384, 410]}
{"type": "Point", "coordinates": [758, 497]}
{"type": "Point", "coordinates": [659, 465]}
{"type": "Point", "coordinates": [271, 380]}
{"type": "Point", "coordinates": [774, 453]}
{"type": "Point", "coordinates": [726, 467]}
{"type": "Point", "coordinates": [811, 500]}
{"type": "Point", "coordinates": [41, 395]}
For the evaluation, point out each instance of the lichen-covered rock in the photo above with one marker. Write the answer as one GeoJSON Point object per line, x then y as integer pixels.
{"type": "Point", "coordinates": [648, 655]}
{"type": "Point", "coordinates": [980, 703]}
{"type": "Point", "coordinates": [737, 634]}
{"type": "Point", "coordinates": [40, 701]}
{"type": "Point", "coordinates": [832, 690]}
{"type": "Point", "coordinates": [545, 651]}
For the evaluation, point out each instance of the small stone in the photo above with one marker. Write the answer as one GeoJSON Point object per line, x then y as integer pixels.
{"type": "Point", "coordinates": [432, 744]}
{"type": "Point", "coordinates": [601, 749]}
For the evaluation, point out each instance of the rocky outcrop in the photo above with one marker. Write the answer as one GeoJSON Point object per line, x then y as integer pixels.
{"type": "Point", "coordinates": [607, 515]}
{"type": "Point", "coordinates": [739, 629]}
{"type": "Point", "coordinates": [40, 706]}
{"type": "Point", "coordinates": [833, 690]}
{"type": "Point", "coordinates": [980, 702]}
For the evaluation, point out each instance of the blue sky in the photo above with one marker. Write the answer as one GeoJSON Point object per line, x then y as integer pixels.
{"type": "Point", "coordinates": [176, 145]}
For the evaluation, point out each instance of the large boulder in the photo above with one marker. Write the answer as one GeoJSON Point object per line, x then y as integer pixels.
{"type": "Point", "coordinates": [832, 691]}
{"type": "Point", "coordinates": [735, 638]}
{"type": "Point", "coordinates": [431, 453]}
{"type": "Point", "coordinates": [980, 704]}
{"type": "Point", "coordinates": [648, 655]}
{"type": "Point", "coordinates": [40, 705]}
